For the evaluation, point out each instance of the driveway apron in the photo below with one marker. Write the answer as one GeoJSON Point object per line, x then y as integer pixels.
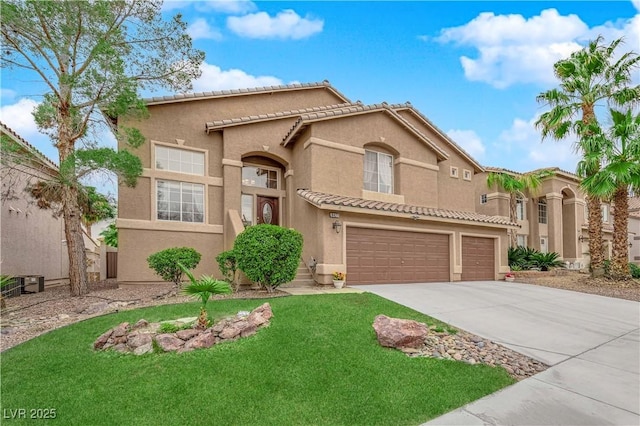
{"type": "Point", "coordinates": [592, 344]}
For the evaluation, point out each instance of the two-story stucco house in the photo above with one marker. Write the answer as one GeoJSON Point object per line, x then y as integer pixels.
{"type": "Point", "coordinates": [376, 190]}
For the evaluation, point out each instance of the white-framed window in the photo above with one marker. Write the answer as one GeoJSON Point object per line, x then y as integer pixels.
{"type": "Point", "coordinates": [605, 213]}
{"type": "Point", "coordinates": [519, 207]}
{"type": "Point", "coordinates": [180, 201]}
{"type": "Point", "coordinates": [521, 240]}
{"type": "Point", "coordinates": [179, 160]}
{"type": "Point", "coordinates": [542, 211]}
{"type": "Point", "coordinates": [466, 174]}
{"type": "Point", "coordinates": [453, 172]}
{"type": "Point", "coordinates": [378, 172]}
{"type": "Point", "coordinates": [260, 177]}
{"type": "Point", "coordinates": [247, 209]}
{"type": "Point", "coordinates": [483, 199]}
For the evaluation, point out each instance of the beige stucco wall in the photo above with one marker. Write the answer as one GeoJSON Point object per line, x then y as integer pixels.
{"type": "Point", "coordinates": [32, 240]}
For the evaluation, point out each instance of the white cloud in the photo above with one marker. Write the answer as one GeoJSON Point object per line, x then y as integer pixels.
{"type": "Point", "coordinates": [200, 29]}
{"type": "Point", "coordinates": [222, 6]}
{"type": "Point", "coordinates": [19, 117]}
{"type": "Point", "coordinates": [469, 141]}
{"type": "Point", "coordinates": [521, 148]}
{"type": "Point", "coordinates": [512, 49]}
{"type": "Point", "coordinates": [636, 4]}
{"type": "Point", "coordinates": [214, 78]}
{"type": "Point", "coordinates": [286, 24]}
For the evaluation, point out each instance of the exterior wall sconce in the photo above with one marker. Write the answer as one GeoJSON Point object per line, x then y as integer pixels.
{"type": "Point", "coordinates": [337, 226]}
{"type": "Point", "coordinates": [582, 238]}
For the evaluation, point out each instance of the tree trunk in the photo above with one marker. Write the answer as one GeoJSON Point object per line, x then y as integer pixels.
{"type": "Point", "coordinates": [70, 207]}
{"type": "Point", "coordinates": [620, 260]}
{"type": "Point", "coordinates": [75, 242]}
{"type": "Point", "coordinates": [512, 213]}
{"type": "Point", "coordinates": [595, 237]}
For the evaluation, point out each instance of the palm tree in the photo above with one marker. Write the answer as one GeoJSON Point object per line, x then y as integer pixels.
{"type": "Point", "coordinates": [620, 173]}
{"type": "Point", "coordinates": [514, 185]}
{"type": "Point", "coordinates": [587, 78]}
{"type": "Point", "coordinates": [203, 289]}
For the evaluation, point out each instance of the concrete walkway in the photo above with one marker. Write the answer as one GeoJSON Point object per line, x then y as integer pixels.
{"type": "Point", "coordinates": [591, 342]}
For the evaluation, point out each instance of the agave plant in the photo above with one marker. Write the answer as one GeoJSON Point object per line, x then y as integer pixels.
{"type": "Point", "coordinates": [544, 261]}
{"type": "Point", "coordinates": [203, 289]}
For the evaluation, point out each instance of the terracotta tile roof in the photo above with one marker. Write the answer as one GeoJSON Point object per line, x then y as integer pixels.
{"type": "Point", "coordinates": [16, 137]}
{"type": "Point", "coordinates": [409, 107]}
{"type": "Point", "coordinates": [356, 109]}
{"type": "Point", "coordinates": [219, 124]}
{"type": "Point", "coordinates": [240, 92]}
{"type": "Point", "coordinates": [319, 199]}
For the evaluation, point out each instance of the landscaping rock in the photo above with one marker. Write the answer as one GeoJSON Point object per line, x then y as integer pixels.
{"type": "Point", "coordinates": [96, 308]}
{"type": "Point", "coordinates": [187, 334]}
{"type": "Point", "coordinates": [261, 315]}
{"type": "Point", "coordinates": [399, 333]}
{"type": "Point", "coordinates": [142, 323]}
{"type": "Point", "coordinates": [144, 349]}
{"type": "Point", "coordinates": [134, 341]}
{"type": "Point", "coordinates": [203, 340]}
{"type": "Point", "coordinates": [139, 338]}
{"type": "Point", "coordinates": [102, 340]}
{"type": "Point", "coordinates": [168, 342]}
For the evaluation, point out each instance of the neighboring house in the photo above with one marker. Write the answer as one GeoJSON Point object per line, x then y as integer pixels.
{"type": "Point", "coordinates": [555, 219]}
{"type": "Point", "coordinates": [634, 230]}
{"type": "Point", "coordinates": [376, 190]}
{"type": "Point", "coordinates": [32, 240]}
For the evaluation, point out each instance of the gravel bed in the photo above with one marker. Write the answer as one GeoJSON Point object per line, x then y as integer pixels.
{"type": "Point", "coordinates": [31, 315]}
{"type": "Point", "coordinates": [582, 282]}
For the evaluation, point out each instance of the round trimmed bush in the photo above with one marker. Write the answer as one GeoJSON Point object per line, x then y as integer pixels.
{"type": "Point", "coordinates": [268, 254]}
{"type": "Point", "coordinates": [165, 262]}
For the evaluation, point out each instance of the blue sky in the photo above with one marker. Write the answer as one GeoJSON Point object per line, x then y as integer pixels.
{"type": "Point", "coordinates": [473, 68]}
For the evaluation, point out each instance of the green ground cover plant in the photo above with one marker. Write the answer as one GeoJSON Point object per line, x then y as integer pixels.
{"type": "Point", "coordinates": [318, 363]}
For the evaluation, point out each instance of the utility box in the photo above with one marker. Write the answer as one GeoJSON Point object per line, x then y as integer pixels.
{"type": "Point", "coordinates": [32, 284]}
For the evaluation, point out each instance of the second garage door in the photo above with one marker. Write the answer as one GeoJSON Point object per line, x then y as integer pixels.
{"type": "Point", "coordinates": [382, 256]}
{"type": "Point", "coordinates": [478, 260]}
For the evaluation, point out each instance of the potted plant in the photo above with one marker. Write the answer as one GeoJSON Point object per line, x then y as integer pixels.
{"type": "Point", "coordinates": [509, 276]}
{"type": "Point", "coordinates": [338, 279]}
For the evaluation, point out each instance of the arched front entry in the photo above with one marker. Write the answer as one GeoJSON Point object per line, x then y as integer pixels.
{"type": "Point", "coordinates": [263, 191]}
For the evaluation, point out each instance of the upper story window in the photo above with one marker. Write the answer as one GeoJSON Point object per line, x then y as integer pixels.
{"type": "Point", "coordinates": [378, 172]}
{"type": "Point", "coordinates": [180, 201]}
{"type": "Point", "coordinates": [483, 199]}
{"type": "Point", "coordinates": [519, 207]}
{"type": "Point", "coordinates": [542, 211]}
{"type": "Point", "coordinates": [179, 160]}
{"type": "Point", "coordinates": [466, 174]}
{"type": "Point", "coordinates": [453, 172]}
{"type": "Point", "coordinates": [260, 176]}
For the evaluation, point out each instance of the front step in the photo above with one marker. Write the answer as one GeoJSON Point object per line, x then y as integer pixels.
{"type": "Point", "coordinates": [303, 278]}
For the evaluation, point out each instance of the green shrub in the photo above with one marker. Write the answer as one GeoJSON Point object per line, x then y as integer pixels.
{"type": "Point", "coordinates": [545, 261]}
{"type": "Point", "coordinates": [167, 327]}
{"type": "Point", "coordinates": [165, 262]}
{"type": "Point", "coordinates": [203, 289]}
{"type": "Point", "coordinates": [110, 234]}
{"type": "Point", "coordinates": [269, 255]}
{"type": "Point", "coordinates": [227, 264]}
{"type": "Point", "coordinates": [635, 270]}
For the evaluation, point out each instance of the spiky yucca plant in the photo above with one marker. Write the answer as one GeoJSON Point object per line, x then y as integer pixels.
{"type": "Point", "coordinates": [203, 289]}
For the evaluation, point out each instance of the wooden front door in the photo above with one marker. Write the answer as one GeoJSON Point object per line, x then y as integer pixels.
{"type": "Point", "coordinates": [267, 210]}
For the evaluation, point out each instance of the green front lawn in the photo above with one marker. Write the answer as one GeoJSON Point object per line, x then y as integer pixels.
{"type": "Point", "coordinates": [318, 363]}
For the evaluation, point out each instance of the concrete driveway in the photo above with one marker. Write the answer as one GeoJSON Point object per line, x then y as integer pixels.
{"type": "Point", "coordinates": [591, 342]}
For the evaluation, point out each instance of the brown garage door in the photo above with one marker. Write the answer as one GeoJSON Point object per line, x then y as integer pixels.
{"type": "Point", "coordinates": [478, 259]}
{"type": "Point", "coordinates": [381, 256]}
